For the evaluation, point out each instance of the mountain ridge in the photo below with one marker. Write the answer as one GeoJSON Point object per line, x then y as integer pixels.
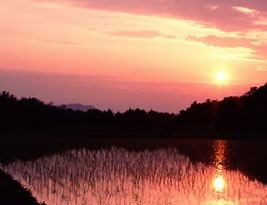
{"type": "Point", "coordinates": [78, 107]}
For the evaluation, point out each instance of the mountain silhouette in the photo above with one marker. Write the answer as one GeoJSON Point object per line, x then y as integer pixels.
{"type": "Point", "coordinates": [79, 107]}
{"type": "Point", "coordinates": [243, 116]}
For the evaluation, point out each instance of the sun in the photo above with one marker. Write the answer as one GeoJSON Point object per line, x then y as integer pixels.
{"type": "Point", "coordinates": [220, 77]}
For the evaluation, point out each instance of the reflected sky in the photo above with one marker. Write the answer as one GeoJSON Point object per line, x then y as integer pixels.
{"type": "Point", "coordinates": [118, 176]}
{"type": "Point", "coordinates": [219, 178]}
{"type": "Point", "coordinates": [219, 159]}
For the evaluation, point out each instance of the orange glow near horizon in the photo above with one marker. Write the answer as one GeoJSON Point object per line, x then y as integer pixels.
{"type": "Point", "coordinates": [138, 43]}
{"type": "Point", "coordinates": [112, 43]}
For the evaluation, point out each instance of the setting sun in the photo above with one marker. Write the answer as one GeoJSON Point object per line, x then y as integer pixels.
{"type": "Point", "coordinates": [221, 77]}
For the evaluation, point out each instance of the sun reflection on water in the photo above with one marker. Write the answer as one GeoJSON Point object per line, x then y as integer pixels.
{"type": "Point", "coordinates": [219, 183]}
{"type": "Point", "coordinates": [119, 176]}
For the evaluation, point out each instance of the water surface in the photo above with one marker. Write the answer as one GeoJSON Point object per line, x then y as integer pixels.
{"type": "Point", "coordinates": [119, 176]}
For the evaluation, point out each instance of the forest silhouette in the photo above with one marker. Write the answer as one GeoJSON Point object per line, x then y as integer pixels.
{"type": "Point", "coordinates": [30, 128]}
{"type": "Point", "coordinates": [233, 117]}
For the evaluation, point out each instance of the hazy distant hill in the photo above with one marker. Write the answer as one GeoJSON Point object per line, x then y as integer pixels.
{"type": "Point", "coordinates": [234, 116]}
{"type": "Point", "coordinates": [78, 106]}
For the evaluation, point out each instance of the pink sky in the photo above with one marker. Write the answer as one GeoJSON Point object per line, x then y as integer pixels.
{"type": "Point", "coordinates": [152, 54]}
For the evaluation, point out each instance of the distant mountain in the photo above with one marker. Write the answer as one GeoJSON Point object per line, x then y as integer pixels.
{"type": "Point", "coordinates": [233, 117]}
{"type": "Point", "coordinates": [78, 106]}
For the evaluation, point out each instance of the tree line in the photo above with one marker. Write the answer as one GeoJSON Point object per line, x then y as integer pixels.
{"type": "Point", "coordinates": [246, 114]}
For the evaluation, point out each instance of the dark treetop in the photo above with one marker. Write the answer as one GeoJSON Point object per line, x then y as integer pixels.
{"type": "Point", "coordinates": [244, 116]}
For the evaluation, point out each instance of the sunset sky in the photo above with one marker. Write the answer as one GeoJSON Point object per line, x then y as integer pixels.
{"type": "Point", "coordinates": [151, 54]}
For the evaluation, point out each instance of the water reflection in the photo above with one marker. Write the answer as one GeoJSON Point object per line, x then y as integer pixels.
{"type": "Point", "coordinates": [119, 176]}
{"type": "Point", "coordinates": [219, 178]}
{"type": "Point", "coordinates": [219, 183]}
{"type": "Point", "coordinates": [219, 160]}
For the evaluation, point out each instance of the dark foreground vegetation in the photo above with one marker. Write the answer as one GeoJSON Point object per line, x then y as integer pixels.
{"type": "Point", "coordinates": [232, 117]}
{"type": "Point", "coordinates": [13, 193]}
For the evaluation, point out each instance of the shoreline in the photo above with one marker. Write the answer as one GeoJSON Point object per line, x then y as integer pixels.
{"type": "Point", "coordinates": [198, 150]}
{"type": "Point", "coordinates": [12, 192]}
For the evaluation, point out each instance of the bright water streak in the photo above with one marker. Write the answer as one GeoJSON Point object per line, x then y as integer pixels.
{"type": "Point", "coordinates": [118, 176]}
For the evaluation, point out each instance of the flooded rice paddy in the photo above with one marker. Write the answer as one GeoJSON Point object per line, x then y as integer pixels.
{"type": "Point", "coordinates": [121, 176]}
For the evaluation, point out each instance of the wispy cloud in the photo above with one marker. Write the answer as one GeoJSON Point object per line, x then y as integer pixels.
{"type": "Point", "coordinates": [262, 68]}
{"type": "Point", "coordinates": [259, 50]}
{"type": "Point", "coordinates": [239, 15]}
{"type": "Point", "coordinates": [62, 42]}
{"type": "Point", "coordinates": [229, 42]}
{"type": "Point", "coordinates": [141, 34]}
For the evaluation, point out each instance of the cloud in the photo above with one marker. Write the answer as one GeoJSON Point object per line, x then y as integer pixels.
{"type": "Point", "coordinates": [229, 42]}
{"type": "Point", "coordinates": [262, 68]}
{"type": "Point", "coordinates": [238, 15]}
{"type": "Point", "coordinates": [63, 42]}
{"type": "Point", "coordinates": [141, 34]}
{"type": "Point", "coordinates": [259, 51]}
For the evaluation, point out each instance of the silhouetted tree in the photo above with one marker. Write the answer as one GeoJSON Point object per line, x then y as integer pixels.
{"type": "Point", "coordinates": [246, 113]}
